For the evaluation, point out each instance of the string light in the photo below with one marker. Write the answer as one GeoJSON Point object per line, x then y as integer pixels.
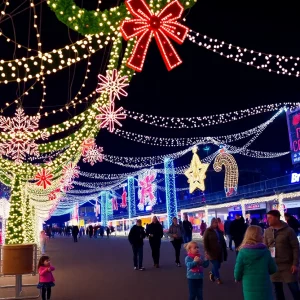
{"type": "Point", "coordinates": [181, 142]}
{"type": "Point", "coordinates": [210, 120]}
{"type": "Point", "coordinates": [278, 64]}
{"type": "Point", "coordinates": [54, 61]}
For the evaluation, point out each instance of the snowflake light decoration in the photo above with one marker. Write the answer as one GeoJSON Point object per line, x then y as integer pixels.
{"type": "Point", "coordinates": [44, 178]}
{"type": "Point", "coordinates": [109, 116]}
{"type": "Point", "coordinates": [113, 84]}
{"type": "Point", "coordinates": [70, 172]}
{"type": "Point", "coordinates": [93, 155]}
{"type": "Point", "coordinates": [19, 142]}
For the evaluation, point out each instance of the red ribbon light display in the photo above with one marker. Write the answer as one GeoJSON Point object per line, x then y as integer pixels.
{"type": "Point", "coordinates": [162, 26]}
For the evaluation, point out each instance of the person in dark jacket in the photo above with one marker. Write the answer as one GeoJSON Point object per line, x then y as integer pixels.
{"type": "Point", "coordinates": [155, 233]}
{"type": "Point", "coordinates": [136, 239]}
{"type": "Point", "coordinates": [90, 231]}
{"type": "Point", "coordinates": [238, 228]}
{"type": "Point", "coordinates": [187, 229]}
{"type": "Point", "coordinates": [227, 225]}
{"type": "Point", "coordinates": [215, 248]}
{"type": "Point", "coordinates": [293, 222]}
{"type": "Point", "coordinates": [75, 231]}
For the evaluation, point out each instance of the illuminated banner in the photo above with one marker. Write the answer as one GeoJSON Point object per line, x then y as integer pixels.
{"type": "Point", "coordinates": [293, 121]}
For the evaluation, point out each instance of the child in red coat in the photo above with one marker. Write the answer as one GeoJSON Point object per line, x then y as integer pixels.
{"type": "Point", "coordinates": [46, 281]}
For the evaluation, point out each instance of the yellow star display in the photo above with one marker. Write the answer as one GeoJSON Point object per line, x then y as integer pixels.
{"type": "Point", "coordinates": [196, 173]}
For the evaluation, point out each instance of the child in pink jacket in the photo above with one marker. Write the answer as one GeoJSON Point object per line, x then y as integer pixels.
{"type": "Point", "coordinates": [46, 281]}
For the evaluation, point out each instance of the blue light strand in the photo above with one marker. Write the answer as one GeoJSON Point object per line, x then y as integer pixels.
{"type": "Point", "coordinates": [171, 200]}
{"type": "Point", "coordinates": [109, 208]}
{"type": "Point", "coordinates": [131, 198]}
{"type": "Point", "coordinates": [103, 203]}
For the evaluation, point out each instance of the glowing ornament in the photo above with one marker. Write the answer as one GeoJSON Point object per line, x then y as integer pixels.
{"type": "Point", "coordinates": [19, 142]}
{"type": "Point", "coordinates": [147, 189]}
{"type": "Point", "coordinates": [231, 171]}
{"type": "Point", "coordinates": [86, 145]}
{"type": "Point", "coordinates": [196, 173]}
{"type": "Point", "coordinates": [70, 172]}
{"type": "Point", "coordinates": [124, 199]}
{"type": "Point", "coordinates": [162, 26]}
{"type": "Point", "coordinates": [97, 210]}
{"type": "Point", "coordinates": [52, 195]}
{"type": "Point", "coordinates": [93, 155]}
{"type": "Point", "coordinates": [113, 84]}
{"type": "Point", "coordinates": [43, 178]}
{"type": "Point", "coordinates": [109, 116]}
{"type": "Point", "coordinates": [114, 202]}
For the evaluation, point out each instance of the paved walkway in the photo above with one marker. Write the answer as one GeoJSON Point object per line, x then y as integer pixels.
{"type": "Point", "coordinates": [95, 269]}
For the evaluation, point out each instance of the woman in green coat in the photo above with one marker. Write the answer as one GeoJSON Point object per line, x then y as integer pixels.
{"type": "Point", "coordinates": [254, 265]}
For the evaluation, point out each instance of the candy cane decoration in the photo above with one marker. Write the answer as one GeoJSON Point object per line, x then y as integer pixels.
{"type": "Point", "coordinates": [231, 171]}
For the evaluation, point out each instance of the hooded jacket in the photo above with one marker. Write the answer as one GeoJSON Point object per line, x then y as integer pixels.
{"type": "Point", "coordinates": [253, 267]}
{"type": "Point", "coordinates": [286, 252]}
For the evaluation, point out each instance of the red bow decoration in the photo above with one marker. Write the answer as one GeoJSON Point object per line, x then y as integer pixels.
{"type": "Point", "coordinates": [162, 26]}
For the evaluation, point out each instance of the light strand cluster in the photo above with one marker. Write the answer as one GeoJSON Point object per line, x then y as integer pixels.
{"type": "Point", "coordinates": [273, 63]}
{"type": "Point", "coordinates": [181, 142]}
{"type": "Point", "coordinates": [210, 120]}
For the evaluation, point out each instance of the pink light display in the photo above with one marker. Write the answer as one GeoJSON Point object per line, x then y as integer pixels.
{"type": "Point", "coordinates": [114, 202]}
{"type": "Point", "coordinates": [124, 199]}
{"type": "Point", "coordinates": [162, 26]}
{"type": "Point", "coordinates": [113, 84]}
{"type": "Point", "coordinates": [109, 116]}
{"type": "Point", "coordinates": [147, 189]}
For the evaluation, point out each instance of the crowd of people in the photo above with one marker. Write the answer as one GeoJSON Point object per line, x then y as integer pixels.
{"type": "Point", "coordinates": [264, 254]}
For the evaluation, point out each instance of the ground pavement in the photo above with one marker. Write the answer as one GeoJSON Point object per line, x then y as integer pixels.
{"type": "Point", "coordinates": [101, 269]}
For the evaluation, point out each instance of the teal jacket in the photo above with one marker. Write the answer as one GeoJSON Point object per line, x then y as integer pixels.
{"type": "Point", "coordinates": [253, 267]}
{"type": "Point", "coordinates": [193, 270]}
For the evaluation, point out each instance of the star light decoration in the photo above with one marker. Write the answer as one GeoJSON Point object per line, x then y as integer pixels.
{"type": "Point", "coordinates": [114, 86]}
{"type": "Point", "coordinates": [44, 178]}
{"type": "Point", "coordinates": [196, 173]}
{"type": "Point", "coordinates": [162, 25]}
{"type": "Point", "coordinates": [19, 142]}
{"type": "Point", "coordinates": [93, 155]}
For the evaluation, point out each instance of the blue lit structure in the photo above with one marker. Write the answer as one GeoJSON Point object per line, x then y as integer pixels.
{"type": "Point", "coordinates": [131, 198]}
{"type": "Point", "coordinates": [103, 203]}
{"type": "Point", "coordinates": [171, 199]}
{"type": "Point", "coordinates": [109, 208]}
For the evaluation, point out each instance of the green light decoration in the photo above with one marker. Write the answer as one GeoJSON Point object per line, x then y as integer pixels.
{"type": "Point", "coordinates": [100, 28]}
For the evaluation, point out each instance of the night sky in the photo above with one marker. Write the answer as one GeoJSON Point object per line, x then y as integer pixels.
{"type": "Point", "coordinates": [204, 84]}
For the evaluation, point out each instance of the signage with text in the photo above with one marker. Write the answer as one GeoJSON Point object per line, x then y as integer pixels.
{"type": "Point", "coordinates": [295, 177]}
{"type": "Point", "coordinates": [293, 121]}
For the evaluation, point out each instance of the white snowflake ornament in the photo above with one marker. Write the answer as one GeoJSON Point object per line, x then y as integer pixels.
{"type": "Point", "coordinates": [113, 84]}
{"type": "Point", "coordinates": [19, 142]}
{"type": "Point", "coordinates": [109, 116]}
{"type": "Point", "coordinates": [93, 155]}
